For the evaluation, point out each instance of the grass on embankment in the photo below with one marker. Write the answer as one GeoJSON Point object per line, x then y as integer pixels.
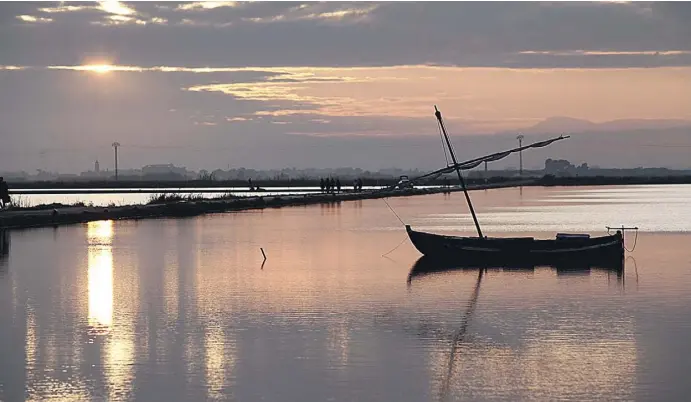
{"type": "Point", "coordinates": [167, 198]}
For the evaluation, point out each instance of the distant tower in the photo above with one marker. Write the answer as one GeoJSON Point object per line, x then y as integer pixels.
{"type": "Point", "coordinates": [97, 167]}
{"type": "Point", "coordinates": [116, 145]}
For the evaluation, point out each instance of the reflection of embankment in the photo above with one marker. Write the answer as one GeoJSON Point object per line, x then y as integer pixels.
{"type": "Point", "coordinates": [4, 244]}
{"type": "Point", "coordinates": [4, 250]}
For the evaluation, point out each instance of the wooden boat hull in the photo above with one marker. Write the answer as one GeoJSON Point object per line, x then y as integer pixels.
{"type": "Point", "coordinates": [519, 250]}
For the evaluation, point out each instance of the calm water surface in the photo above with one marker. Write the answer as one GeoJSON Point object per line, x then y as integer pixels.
{"type": "Point", "coordinates": [182, 310]}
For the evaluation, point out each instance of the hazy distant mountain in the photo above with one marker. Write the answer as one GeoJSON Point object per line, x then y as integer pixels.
{"type": "Point", "coordinates": [562, 124]}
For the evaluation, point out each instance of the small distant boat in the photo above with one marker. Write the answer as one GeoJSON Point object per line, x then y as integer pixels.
{"type": "Point", "coordinates": [404, 183]}
{"type": "Point", "coordinates": [510, 250]}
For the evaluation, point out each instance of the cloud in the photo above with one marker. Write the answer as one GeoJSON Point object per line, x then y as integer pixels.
{"type": "Point", "coordinates": [268, 73]}
{"type": "Point", "coordinates": [116, 14]}
{"type": "Point", "coordinates": [98, 68]}
{"type": "Point", "coordinates": [318, 11]}
{"type": "Point", "coordinates": [198, 23]}
{"type": "Point", "coordinates": [237, 119]}
{"type": "Point", "coordinates": [608, 53]}
{"type": "Point", "coordinates": [32, 19]}
{"type": "Point", "coordinates": [108, 7]}
{"type": "Point", "coordinates": [205, 5]}
{"type": "Point", "coordinates": [518, 35]}
{"type": "Point", "coordinates": [116, 7]}
{"type": "Point", "coordinates": [62, 8]}
{"type": "Point", "coordinates": [116, 20]}
{"type": "Point", "coordinates": [492, 98]}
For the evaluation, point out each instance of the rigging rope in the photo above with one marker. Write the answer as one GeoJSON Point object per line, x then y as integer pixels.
{"type": "Point", "coordinates": [394, 212]}
{"type": "Point", "coordinates": [441, 136]}
{"type": "Point", "coordinates": [401, 220]}
{"type": "Point", "coordinates": [393, 249]}
{"type": "Point", "coordinates": [635, 239]}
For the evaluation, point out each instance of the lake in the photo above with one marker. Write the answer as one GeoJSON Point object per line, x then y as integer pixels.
{"type": "Point", "coordinates": [185, 310]}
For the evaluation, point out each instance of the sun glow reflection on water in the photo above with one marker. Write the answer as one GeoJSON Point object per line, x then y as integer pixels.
{"type": "Point", "coordinates": [100, 273]}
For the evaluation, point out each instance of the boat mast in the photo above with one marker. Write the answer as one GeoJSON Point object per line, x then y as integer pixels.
{"type": "Point", "coordinates": [458, 170]}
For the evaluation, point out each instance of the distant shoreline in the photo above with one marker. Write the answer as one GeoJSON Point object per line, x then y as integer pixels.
{"type": "Point", "coordinates": [55, 215]}
{"type": "Point", "coordinates": [65, 215]}
{"type": "Point", "coordinates": [134, 186]}
{"type": "Point", "coordinates": [191, 184]}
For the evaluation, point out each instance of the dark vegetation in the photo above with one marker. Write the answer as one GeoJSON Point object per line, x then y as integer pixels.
{"type": "Point", "coordinates": [550, 180]}
{"type": "Point", "coordinates": [167, 198]}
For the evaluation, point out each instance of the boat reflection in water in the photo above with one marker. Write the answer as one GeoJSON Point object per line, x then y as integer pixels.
{"type": "Point", "coordinates": [466, 353]}
{"type": "Point", "coordinates": [428, 265]}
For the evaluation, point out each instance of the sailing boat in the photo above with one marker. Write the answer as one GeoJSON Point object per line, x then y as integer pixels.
{"type": "Point", "coordinates": [483, 250]}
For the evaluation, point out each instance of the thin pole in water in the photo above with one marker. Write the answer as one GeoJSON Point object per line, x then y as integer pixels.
{"type": "Point", "coordinates": [520, 155]}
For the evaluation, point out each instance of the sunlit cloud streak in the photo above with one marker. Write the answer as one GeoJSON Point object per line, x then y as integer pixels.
{"type": "Point", "coordinates": [62, 8]}
{"type": "Point", "coordinates": [607, 53]}
{"type": "Point", "coordinates": [205, 5]}
{"type": "Point", "coordinates": [311, 12]}
{"type": "Point", "coordinates": [110, 7]}
{"type": "Point", "coordinates": [116, 7]}
{"type": "Point", "coordinates": [32, 19]}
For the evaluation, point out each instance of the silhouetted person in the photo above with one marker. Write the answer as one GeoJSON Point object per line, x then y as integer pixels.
{"type": "Point", "coordinates": [338, 185]}
{"type": "Point", "coordinates": [333, 185]}
{"type": "Point", "coordinates": [249, 182]}
{"type": "Point", "coordinates": [327, 185]}
{"type": "Point", "coordinates": [321, 184]}
{"type": "Point", "coordinates": [354, 185]}
{"type": "Point", "coordinates": [4, 193]}
{"type": "Point", "coordinates": [359, 184]}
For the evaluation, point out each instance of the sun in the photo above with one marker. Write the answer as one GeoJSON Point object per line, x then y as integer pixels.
{"type": "Point", "coordinates": [99, 68]}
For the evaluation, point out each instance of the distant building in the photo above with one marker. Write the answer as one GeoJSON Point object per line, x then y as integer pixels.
{"type": "Point", "coordinates": [558, 167]}
{"type": "Point", "coordinates": [152, 170]}
{"type": "Point", "coordinates": [164, 172]}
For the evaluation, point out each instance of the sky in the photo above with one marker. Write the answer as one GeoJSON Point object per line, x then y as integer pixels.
{"type": "Point", "coordinates": [305, 84]}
